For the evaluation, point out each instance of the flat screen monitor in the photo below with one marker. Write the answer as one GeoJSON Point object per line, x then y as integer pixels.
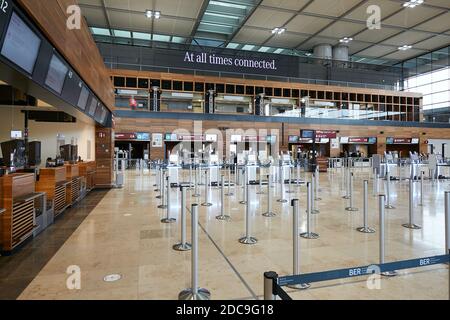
{"type": "Point", "coordinates": [389, 140]}
{"type": "Point", "coordinates": [98, 113]}
{"type": "Point", "coordinates": [83, 99]}
{"type": "Point", "coordinates": [415, 140]}
{"type": "Point", "coordinates": [103, 116]}
{"type": "Point", "coordinates": [21, 45]}
{"type": "Point", "coordinates": [56, 74]}
{"type": "Point", "coordinates": [372, 140]}
{"type": "Point", "coordinates": [307, 134]}
{"type": "Point", "coordinates": [16, 134]}
{"type": "Point", "coordinates": [168, 137]}
{"type": "Point", "coordinates": [344, 140]}
{"type": "Point", "coordinates": [293, 139]}
{"type": "Point", "coordinates": [92, 107]}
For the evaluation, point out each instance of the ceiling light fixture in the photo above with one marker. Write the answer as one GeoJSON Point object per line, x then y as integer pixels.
{"type": "Point", "coordinates": [152, 14]}
{"type": "Point", "coordinates": [412, 3]}
{"type": "Point", "coordinates": [278, 30]}
{"type": "Point", "coordinates": [405, 47]}
{"type": "Point", "coordinates": [345, 40]}
{"type": "Point", "coordinates": [308, 54]}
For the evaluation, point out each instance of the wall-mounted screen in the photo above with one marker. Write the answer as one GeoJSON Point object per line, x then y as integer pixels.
{"type": "Point", "coordinates": [16, 134]}
{"type": "Point", "coordinates": [415, 141]}
{"type": "Point", "coordinates": [293, 139]}
{"type": "Point", "coordinates": [92, 107]}
{"type": "Point", "coordinates": [21, 45]}
{"type": "Point", "coordinates": [83, 99]}
{"type": "Point", "coordinates": [211, 137]}
{"type": "Point", "coordinates": [103, 115]}
{"type": "Point", "coordinates": [56, 74]}
{"type": "Point", "coordinates": [307, 134]}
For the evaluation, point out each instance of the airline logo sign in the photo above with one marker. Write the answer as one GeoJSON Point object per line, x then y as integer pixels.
{"type": "Point", "coordinates": [326, 134]}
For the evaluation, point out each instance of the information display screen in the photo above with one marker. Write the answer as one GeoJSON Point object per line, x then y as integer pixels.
{"type": "Point", "coordinates": [92, 107]}
{"type": "Point", "coordinates": [56, 74]}
{"type": "Point", "coordinates": [21, 45]}
{"type": "Point", "coordinates": [307, 134]}
{"type": "Point", "coordinates": [83, 99]}
{"type": "Point", "coordinates": [293, 139]}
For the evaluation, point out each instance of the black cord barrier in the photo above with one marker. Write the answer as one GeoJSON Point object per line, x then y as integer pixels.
{"type": "Point", "coordinates": [273, 284]}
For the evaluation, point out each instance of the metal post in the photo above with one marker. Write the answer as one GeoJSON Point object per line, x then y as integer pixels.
{"type": "Point", "coordinates": [222, 215]}
{"type": "Point", "coordinates": [269, 278]}
{"type": "Point", "coordinates": [376, 185]}
{"type": "Point", "coordinates": [351, 207]}
{"type": "Point", "coordinates": [183, 245]}
{"type": "Point", "coordinates": [366, 228]}
{"type": "Point", "coordinates": [269, 212]}
{"type": "Point", "coordinates": [308, 234]}
{"type": "Point", "coordinates": [290, 181]}
{"type": "Point", "coordinates": [381, 208]}
{"type": "Point", "coordinates": [388, 191]}
{"type": "Point", "coordinates": [168, 219]}
{"type": "Point", "coordinates": [196, 177]}
{"type": "Point", "coordinates": [447, 221]}
{"type": "Point", "coordinates": [317, 181]}
{"type": "Point", "coordinates": [347, 173]}
{"type": "Point", "coordinates": [194, 293]}
{"type": "Point", "coordinates": [282, 199]}
{"type": "Point", "coordinates": [296, 245]}
{"type": "Point", "coordinates": [190, 176]}
{"type": "Point", "coordinates": [207, 202]}
{"type": "Point", "coordinates": [229, 193]}
{"type": "Point", "coordinates": [298, 174]}
{"type": "Point", "coordinates": [421, 188]}
{"type": "Point", "coordinates": [248, 239]}
{"type": "Point", "coordinates": [260, 181]}
{"type": "Point", "coordinates": [314, 210]}
{"type": "Point", "coordinates": [158, 181]}
{"type": "Point", "coordinates": [245, 187]}
{"type": "Point", "coordinates": [162, 192]}
{"type": "Point", "coordinates": [411, 224]}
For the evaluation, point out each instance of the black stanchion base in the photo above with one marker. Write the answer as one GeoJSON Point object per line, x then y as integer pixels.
{"type": "Point", "coordinates": [182, 247]}
{"type": "Point", "coordinates": [196, 195]}
{"type": "Point", "coordinates": [351, 209]}
{"type": "Point", "coordinates": [168, 220]}
{"type": "Point", "coordinates": [346, 197]}
{"type": "Point", "coordinates": [389, 207]}
{"type": "Point", "coordinates": [309, 235]}
{"type": "Point", "coordinates": [269, 214]}
{"type": "Point", "coordinates": [366, 230]}
{"type": "Point", "coordinates": [248, 240]}
{"type": "Point", "coordinates": [158, 197]}
{"type": "Point", "coordinates": [162, 206]}
{"type": "Point", "coordinates": [389, 274]}
{"type": "Point", "coordinates": [243, 202]}
{"type": "Point", "coordinates": [301, 286]}
{"type": "Point", "coordinates": [315, 211]}
{"type": "Point", "coordinates": [207, 204]}
{"type": "Point", "coordinates": [188, 294]}
{"type": "Point", "coordinates": [318, 199]}
{"type": "Point", "coordinates": [282, 200]}
{"type": "Point", "coordinates": [223, 218]}
{"type": "Point", "coordinates": [411, 226]}
{"type": "Point", "coordinates": [229, 194]}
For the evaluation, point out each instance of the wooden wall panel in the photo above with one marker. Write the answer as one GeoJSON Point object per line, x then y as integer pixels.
{"type": "Point", "coordinates": [77, 46]}
{"type": "Point", "coordinates": [104, 153]}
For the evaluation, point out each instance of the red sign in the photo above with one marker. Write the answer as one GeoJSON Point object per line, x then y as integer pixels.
{"type": "Point", "coordinates": [125, 136]}
{"type": "Point", "coordinates": [191, 138]}
{"type": "Point", "coordinates": [326, 134]}
{"type": "Point", "coordinates": [133, 103]}
{"type": "Point", "coordinates": [402, 140]}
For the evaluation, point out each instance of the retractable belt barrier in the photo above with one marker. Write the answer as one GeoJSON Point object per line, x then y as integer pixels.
{"type": "Point", "coordinates": [279, 282]}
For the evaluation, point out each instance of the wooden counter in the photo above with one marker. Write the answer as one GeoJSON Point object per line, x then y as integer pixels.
{"type": "Point", "coordinates": [17, 195]}
{"type": "Point", "coordinates": [53, 182]}
{"type": "Point", "coordinates": [74, 186]}
{"type": "Point", "coordinates": [87, 171]}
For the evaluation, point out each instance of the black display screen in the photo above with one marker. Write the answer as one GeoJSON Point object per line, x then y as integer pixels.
{"type": "Point", "coordinates": [92, 107]}
{"type": "Point", "coordinates": [307, 134]}
{"type": "Point", "coordinates": [83, 99]}
{"type": "Point", "coordinates": [21, 44]}
{"type": "Point", "coordinates": [56, 74]}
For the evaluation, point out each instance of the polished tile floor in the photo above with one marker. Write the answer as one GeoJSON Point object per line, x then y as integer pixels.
{"type": "Point", "coordinates": [123, 235]}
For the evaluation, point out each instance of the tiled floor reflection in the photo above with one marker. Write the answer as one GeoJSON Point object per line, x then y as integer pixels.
{"type": "Point", "coordinates": [124, 235]}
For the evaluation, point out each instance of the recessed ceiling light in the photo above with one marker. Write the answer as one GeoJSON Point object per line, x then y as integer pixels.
{"type": "Point", "coordinates": [278, 30]}
{"type": "Point", "coordinates": [405, 47]}
{"type": "Point", "coordinates": [345, 40]}
{"type": "Point", "coordinates": [152, 14]}
{"type": "Point", "coordinates": [412, 3]}
{"type": "Point", "coordinates": [308, 54]}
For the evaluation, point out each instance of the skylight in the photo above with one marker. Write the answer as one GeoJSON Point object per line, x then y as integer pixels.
{"type": "Point", "coordinates": [159, 37]}
{"type": "Point", "coordinates": [248, 47]}
{"type": "Point", "coordinates": [178, 39]}
{"type": "Point", "coordinates": [101, 31]}
{"type": "Point", "coordinates": [232, 45]}
{"type": "Point", "coordinates": [142, 36]}
{"type": "Point", "coordinates": [228, 5]}
{"type": "Point", "coordinates": [263, 49]}
{"type": "Point", "coordinates": [122, 33]}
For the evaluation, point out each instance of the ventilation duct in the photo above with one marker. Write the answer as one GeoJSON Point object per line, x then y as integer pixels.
{"type": "Point", "coordinates": [324, 52]}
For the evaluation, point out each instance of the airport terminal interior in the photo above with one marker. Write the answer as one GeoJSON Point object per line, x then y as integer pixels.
{"type": "Point", "coordinates": [224, 149]}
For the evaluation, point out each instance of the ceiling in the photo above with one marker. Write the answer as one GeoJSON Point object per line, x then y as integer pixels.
{"type": "Point", "coordinates": [248, 24]}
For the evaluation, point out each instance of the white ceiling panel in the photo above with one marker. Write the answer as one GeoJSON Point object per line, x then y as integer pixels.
{"type": "Point", "coordinates": [286, 40]}
{"type": "Point", "coordinates": [387, 7]}
{"type": "Point", "coordinates": [181, 8]}
{"type": "Point", "coordinates": [410, 17]}
{"type": "Point", "coordinates": [434, 42]}
{"type": "Point", "coordinates": [342, 29]}
{"type": "Point", "coordinates": [314, 41]}
{"type": "Point", "coordinates": [90, 2]}
{"type": "Point", "coordinates": [375, 51]}
{"type": "Point", "coordinates": [307, 24]}
{"type": "Point", "coordinates": [173, 27]}
{"type": "Point", "coordinates": [407, 37]}
{"type": "Point", "coordinates": [286, 4]}
{"type": "Point", "coordinates": [376, 35]}
{"type": "Point", "coordinates": [95, 17]}
{"type": "Point", "coordinates": [251, 35]}
{"type": "Point", "coordinates": [333, 8]}
{"type": "Point", "coordinates": [439, 24]}
{"type": "Point", "coordinates": [270, 19]}
{"type": "Point", "coordinates": [403, 55]}
{"type": "Point", "coordinates": [439, 3]}
{"type": "Point", "coordinates": [356, 46]}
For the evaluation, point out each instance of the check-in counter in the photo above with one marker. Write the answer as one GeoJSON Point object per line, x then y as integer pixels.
{"type": "Point", "coordinates": [87, 171]}
{"type": "Point", "coordinates": [21, 204]}
{"type": "Point", "coordinates": [74, 186]}
{"type": "Point", "coordinates": [53, 182]}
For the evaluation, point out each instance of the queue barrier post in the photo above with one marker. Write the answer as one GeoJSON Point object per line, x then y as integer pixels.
{"type": "Point", "coordinates": [183, 245]}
